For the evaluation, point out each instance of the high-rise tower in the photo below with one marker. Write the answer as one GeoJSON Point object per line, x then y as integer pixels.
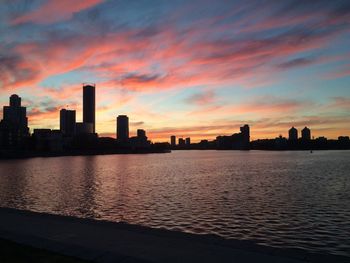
{"type": "Point", "coordinates": [14, 126]}
{"type": "Point", "coordinates": [245, 131]}
{"type": "Point", "coordinates": [173, 140]}
{"type": "Point", "coordinates": [89, 104]}
{"type": "Point", "coordinates": [16, 115]}
{"type": "Point", "coordinates": [122, 128]}
{"type": "Point", "coordinates": [293, 134]}
{"type": "Point", "coordinates": [67, 122]}
{"type": "Point", "coordinates": [306, 134]}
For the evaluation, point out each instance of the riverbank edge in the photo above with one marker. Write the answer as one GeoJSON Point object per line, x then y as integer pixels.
{"type": "Point", "coordinates": [27, 155]}
{"type": "Point", "coordinates": [91, 254]}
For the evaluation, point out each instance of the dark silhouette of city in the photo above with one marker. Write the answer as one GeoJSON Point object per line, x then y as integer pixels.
{"type": "Point", "coordinates": [80, 138]}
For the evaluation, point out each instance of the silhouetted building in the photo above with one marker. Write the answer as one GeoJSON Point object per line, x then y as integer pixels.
{"type": "Point", "coordinates": [321, 139]}
{"type": "Point", "coordinates": [343, 142]}
{"type": "Point", "coordinates": [344, 138]}
{"type": "Point", "coordinates": [67, 122]}
{"type": "Point", "coordinates": [141, 133]}
{"type": "Point", "coordinates": [84, 128]}
{"type": "Point", "coordinates": [6, 132]}
{"type": "Point", "coordinates": [203, 144]}
{"type": "Point", "coordinates": [16, 114]}
{"type": "Point", "coordinates": [293, 134]}
{"type": "Point", "coordinates": [14, 125]}
{"type": "Point", "coordinates": [173, 140]}
{"type": "Point", "coordinates": [122, 128]}
{"type": "Point", "coordinates": [47, 140]}
{"type": "Point", "coordinates": [280, 143]}
{"type": "Point", "coordinates": [237, 141]}
{"type": "Point", "coordinates": [15, 101]}
{"type": "Point", "coordinates": [89, 105]}
{"type": "Point", "coordinates": [140, 141]}
{"type": "Point", "coordinates": [306, 134]}
{"type": "Point", "coordinates": [188, 141]}
{"type": "Point", "coordinates": [245, 131]}
{"type": "Point", "coordinates": [181, 142]}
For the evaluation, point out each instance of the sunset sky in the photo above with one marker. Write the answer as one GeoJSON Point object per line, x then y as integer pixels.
{"type": "Point", "coordinates": [190, 68]}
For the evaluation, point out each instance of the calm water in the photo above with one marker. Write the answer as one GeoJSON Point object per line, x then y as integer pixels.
{"type": "Point", "coordinates": [282, 199]}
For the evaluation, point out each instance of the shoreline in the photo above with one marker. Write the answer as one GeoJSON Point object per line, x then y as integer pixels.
{"type": "Point", "coordinates": [105, 241]}
{"type": "Point", "coordinates": [27, 155]}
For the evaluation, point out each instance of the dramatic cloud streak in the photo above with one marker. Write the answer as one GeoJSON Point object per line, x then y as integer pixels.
{"type": "Point", "coordinates": [178, 62]}
{"type": "Point", "coordinates": [54, 11]}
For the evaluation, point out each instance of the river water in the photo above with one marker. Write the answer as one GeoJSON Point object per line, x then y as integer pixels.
{"type": "Point", "coordinates": [280, 199]}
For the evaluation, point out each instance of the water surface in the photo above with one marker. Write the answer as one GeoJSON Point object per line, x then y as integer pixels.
{"type": "Point", "coordinates": [281, 199]}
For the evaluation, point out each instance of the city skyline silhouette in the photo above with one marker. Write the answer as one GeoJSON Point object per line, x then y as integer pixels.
{"type": "Point", "coordinates": [18, 114]}
{"type": "Point", "coordinates": [89, 115]}
{"type": "Point", "coordinates": [76, 137]}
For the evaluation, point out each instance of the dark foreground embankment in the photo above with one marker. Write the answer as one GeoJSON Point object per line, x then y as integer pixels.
{"type": "Point", "coordinates": [11, 252]}
{"type": "Point", "coordinates": [102, 241]}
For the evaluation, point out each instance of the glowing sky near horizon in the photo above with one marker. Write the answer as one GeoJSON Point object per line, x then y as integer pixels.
{"type": "Point", "coordinates": [190, 68]}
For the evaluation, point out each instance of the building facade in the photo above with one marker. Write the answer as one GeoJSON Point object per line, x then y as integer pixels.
{"type": "Point", "coordinates": [306, 134]}
{"type": "Point", "coordinates": [141, 133]}
{"type": "Point", "coordinates": [89, 105]}
{"type": "Point", "coordinates": [245, 132]}
{"type": "Point", "coordinates": [122, 128]}
{"type": "Point", "coordinates": [67, 122]}
{"type": "Point", "coordinates": [173, 140]}
{"type": "Point", "coordinates": [181, 142]}
{"type": "Point", "coordinates": [14, 125]}
{"type": "Point", "coordinates": [293, 134]}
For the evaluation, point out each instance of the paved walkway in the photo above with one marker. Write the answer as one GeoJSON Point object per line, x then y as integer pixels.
{"type": "Point", "coordinates": [102, 241]}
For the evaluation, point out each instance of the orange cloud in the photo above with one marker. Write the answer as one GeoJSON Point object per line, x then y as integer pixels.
{"type": "Point", "coordinates": [259, 106]}
{"type": "Point", "coordinates": [127, 62]}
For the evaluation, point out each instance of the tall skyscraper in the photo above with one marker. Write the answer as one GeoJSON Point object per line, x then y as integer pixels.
{"type": "Point", "coordinates": [15, 114]}
{"type": "Point", "coordinates": [181, 141]}
{"type": "Point", "coordinates": [173, 140]}
{"type": "Point", "coordinates": [293, 134]}
{"type": "Point", "coordinates": [306, 134]}
{"type": "Point", "coordinates": [122, 128]}
{"type": "Point", "coordinates": [89, 104]}
{"type": "Point", "coordinates": [14, 125]}
{"type": "Point", "coordinates": [67, 122]}
{"type": "Point", "coordinates": [188, 141]}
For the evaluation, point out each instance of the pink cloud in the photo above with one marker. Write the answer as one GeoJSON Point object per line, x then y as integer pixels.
{"type": "Point", "coordinates": [55, 10]}
{"type": "Point", "coordinates": [127, 63]}
{"type": "Point", "coordinates": [203, 98]}
{"type": "Point", "coordinates": [259, 106]}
